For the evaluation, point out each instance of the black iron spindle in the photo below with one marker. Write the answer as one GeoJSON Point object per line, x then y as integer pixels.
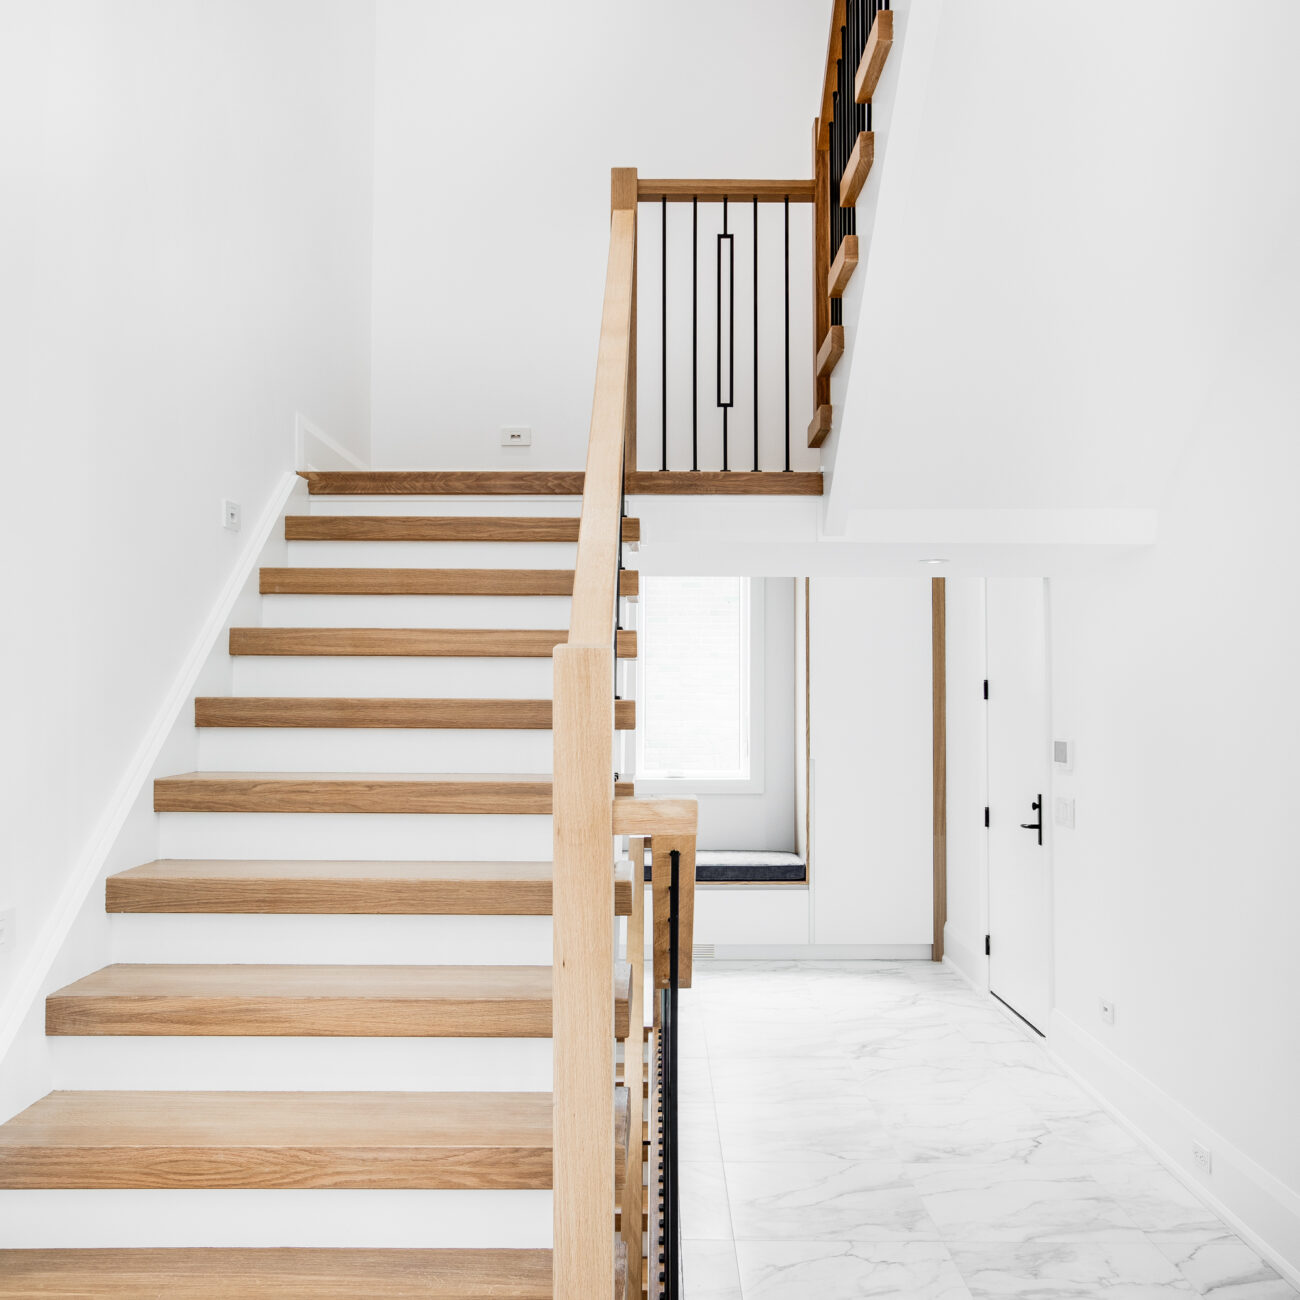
{"type": "Point", "coordinates": [663, 333]}
{"type": "Point", "coordinates": [755, 331]}
{"type": "Point", "coordinates": [787, 332]}
{"type": "Point", "coordinates": [695, 347]}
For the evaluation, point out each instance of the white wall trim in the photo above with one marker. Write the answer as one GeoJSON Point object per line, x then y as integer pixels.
{"type": "Point", "coordinates": [313, 448]}
{"type": "Point", "coordinates": [822, 952]}
{"type": "Point", "coordinates": [1262, 1209]}
{"type": "Point", "coordinates": [968, 962]}
{"type": "Point", "coordinates": [29, 980]}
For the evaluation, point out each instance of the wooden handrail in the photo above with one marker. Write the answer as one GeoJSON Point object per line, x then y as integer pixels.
{"type": "Point", "coordinates": [595, 576]}
{"type": "Point", "coordinates": [738, 191]}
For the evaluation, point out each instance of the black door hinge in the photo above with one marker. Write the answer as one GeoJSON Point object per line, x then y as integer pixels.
{"type": "Point", "coordinates": [986, 688]}
{"type": "Point", "coordinates": [986, 945]}
{"type": "Point", "coordinates": [986, 817]}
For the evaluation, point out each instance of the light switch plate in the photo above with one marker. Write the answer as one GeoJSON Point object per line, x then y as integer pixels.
{"type": "Point", "coordinates": [1065, 812]}
{"type": "Point", "coordinates": [230, 515]}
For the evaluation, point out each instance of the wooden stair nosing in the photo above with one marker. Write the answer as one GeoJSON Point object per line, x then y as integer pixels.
{"type": "Point", "coordinates": [375, 712]}
{"type": "Point", "coordinates": [338, 1001]}
{"type": "Point", "coordinates": [445, 528]}
{"type": "Point", "coordinates": [568, 483]}
{"type": "Point", "coordinates": [313, 581]}
{"type": "Point", "coordinates": [350, 888]}
{"type": "Point", "coordinates": [451, 642]}
{"type": "Point", "coordinates": [288, 1273]}
{"type": "Point", "coordinates": [472, 794]}
{"type": "Point", "coordinates": [391, 1140]}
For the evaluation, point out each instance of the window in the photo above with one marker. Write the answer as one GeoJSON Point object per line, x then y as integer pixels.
{"type": "Point", "coordinates": [696, 717]}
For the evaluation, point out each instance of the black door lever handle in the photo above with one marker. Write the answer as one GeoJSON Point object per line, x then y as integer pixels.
{"type": "Point", "coordinates": [1037, 806]}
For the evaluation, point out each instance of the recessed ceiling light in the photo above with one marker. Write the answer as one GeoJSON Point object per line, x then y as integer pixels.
{"type": "Point", "coordinates": [936, 560]}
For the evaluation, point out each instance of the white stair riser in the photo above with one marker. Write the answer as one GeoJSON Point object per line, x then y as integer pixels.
{"type": "Point", "coordinates": [365, 940]}
{"type": "Point", "coordinates": [302, 1064]}
{"type": "Point", "coordinates": [433, 555]}
{"type": "Point", "coordinates": [401, 836]}
{"type": "Point", "coordinates": [435, 507]}
{"type": "Point", "coordinates": [398, 676]}
{"type": "Point", "coordinates": [312, 749]}
{"type": "Point", "coordinates": [162, 1217]}
{"type": "Point", "coordinates": [415, 611]}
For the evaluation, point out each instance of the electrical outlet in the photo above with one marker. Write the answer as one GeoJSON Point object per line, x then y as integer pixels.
{"type": "Point", "coordinates": [6, 928]}
{"type": "Point", "coordinates": [230, 515]}
{"type": "Point", "coordinates": [1202, 1158]}
{"type": "Point", "coordinates": [519, 436]}
{"type": "Point", "coordinates": [1065, 812]}
{"type": "Point", "coordinates": [1107, 1009]}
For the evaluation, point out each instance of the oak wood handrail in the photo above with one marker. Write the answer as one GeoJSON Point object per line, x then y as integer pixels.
{"type": "Point", "coordinates": [738, 191]}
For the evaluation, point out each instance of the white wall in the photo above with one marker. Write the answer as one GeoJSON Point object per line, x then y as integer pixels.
{"type": "Point", "coordinates": [185, 250]}
{"type": "Point", "coordinates": [496, 128]}
{"type": "Point", "coordinates": [872, 848]}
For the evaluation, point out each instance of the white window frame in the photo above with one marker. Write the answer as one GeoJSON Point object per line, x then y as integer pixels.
{"type": "Point", "coordinates": [753, 686]}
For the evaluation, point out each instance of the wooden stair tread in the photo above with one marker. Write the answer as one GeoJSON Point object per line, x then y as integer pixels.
{"type": "Point", "coordinates": [359, 792]}
{"type": "Point", "coordinates": [381, 888]}
{"type": "Point", "coordinates": [446, 528]}
{"type": "Point", "coordinates": [314, 581]}
{"type": "Point", "coordinates": [120, 1139]}
{"type": "Point", "coordinates": [139, 999]}
{"type": "Point", "coordinates": [562, 482]}
{"type": "Point", "coordinates": [283, 1272]}
{"type": "Point", "coordinates": [448, 642]}
{"type": "Point", "coordinates": [369, 711]}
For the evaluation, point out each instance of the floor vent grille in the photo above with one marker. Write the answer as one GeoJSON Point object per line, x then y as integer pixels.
{"type": "Point", "coordinates": [704, 951]}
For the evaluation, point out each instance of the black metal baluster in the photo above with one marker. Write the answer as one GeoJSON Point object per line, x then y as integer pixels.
{"type": "Point", "coordinates": [663, 333]}
{"type": "Point", "coordinates": [729, 239]}
{"type": "Point", "coordinates": [695, 347]}
{"type": "Point", "coordinates": [755, 331]}
{"type": "Point", "coordinates": [787, 332]}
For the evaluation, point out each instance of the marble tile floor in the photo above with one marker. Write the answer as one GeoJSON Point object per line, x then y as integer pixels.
{"type": "Point", "coordinates": [876, 1129]}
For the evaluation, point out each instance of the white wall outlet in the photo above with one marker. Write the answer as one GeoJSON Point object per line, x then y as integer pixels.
{"type": "Point", "coordinates": [1065, 812]}
{"type": "Point", "coordinates": [1063, 755]}
{"type": "Point", "coordinates": [230, 515]}
{"type": "Point", "coordinates": [516, 436]}
{"type": "Point", "coordinates": [1202, 1158]}
{"type": "Point", "coordinates": [6, 928]}
{"type": "Point", "coordinates": [1107, 1009]}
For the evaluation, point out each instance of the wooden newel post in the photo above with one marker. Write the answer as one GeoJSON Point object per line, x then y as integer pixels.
{"type": "Point", "coordinates": [583, 1018]}
{"type": "Point", "coordinates": [622, 196]}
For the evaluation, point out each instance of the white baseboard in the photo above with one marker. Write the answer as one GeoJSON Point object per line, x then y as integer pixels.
{"type": "Point", "coordinates": [313, 448]}
{"type": "Point", "coordinates": [821, 952]}
{"type": "Point", "coordinates": [29, 982]}
{"type": "Point", "coordinates": [971, 964]}
{"type": "Point", "coordinates": [1262, 1209]}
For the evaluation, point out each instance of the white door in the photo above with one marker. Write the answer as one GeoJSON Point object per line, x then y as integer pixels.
{"type": "Point", "coordinates": [1019, 899]}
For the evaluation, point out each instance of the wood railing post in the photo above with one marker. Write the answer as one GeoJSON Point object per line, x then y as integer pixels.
{"type": "Point", "coordinates": [583, 1023]}
{"type": "Point", "coordinates": [634, 1073]}
{"type": "Point", "coordinates": [623, 197]}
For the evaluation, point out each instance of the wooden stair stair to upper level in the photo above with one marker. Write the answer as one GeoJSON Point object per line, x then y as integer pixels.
{"type": "Point", "coordinates": [428, 582]}
{"type": "Point", "coordinates": [446, 528]}
{"type": "Point", "coordinates": [348, 1001]}
{"type": "Point", "coordinates": [392, 1140]}
{"type": "Point", "coordinates": [405, 482]}
{"type": "Point", "coordinates": [448, 642]}
{"type": "Point", "coordinates": [339, 792]}
{"type": "Point", "coordinates": [355, 888]}
{"type": "Point", "coordinates": [370, 711]}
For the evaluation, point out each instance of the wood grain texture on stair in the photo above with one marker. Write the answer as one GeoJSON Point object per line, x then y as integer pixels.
{"type": "Point", "coordinates": [416, 482]}
{"type": "Point", "coordinates": [369, 711]}
{"type": "Point", "coordinates": [280, 1139]}
{"type": "Point", "coordinates": [831, 350]}
{"type": "Point", "coordinates": [879, 42]}
{"type": "Point", "coordinates": [346, 1001]}
{"type": "Point", "coordinates": [439, 642]}
{"type": "Point", "coordinates": [283, 1273]}
{"type": "Point", "coordinates": [563, 482]}
{"type": "Point", "coordinates": [340, 792]}
{"type": "Point", "coordinates": [819, 427]}
{"type": "Point", "coordinates": [842, 268]}
{"type": "Point", "coordinates": [313, 581]}
{"type": "Point", "coordinates": [392, 1140]}
{"type": "Point", "coordinates": [857, 169]}
{"type": "Point", "coordinates": [447, 528]}
{"type": "Point", "coordinates": [356, 888]}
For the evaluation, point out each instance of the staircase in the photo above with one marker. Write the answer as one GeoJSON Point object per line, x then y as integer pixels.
{"type": "Point", "coordinates": [321, 1062]}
